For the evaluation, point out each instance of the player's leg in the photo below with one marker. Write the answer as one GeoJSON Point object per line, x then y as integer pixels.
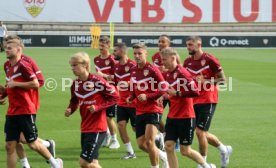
{"type": "Point", "coordinates": [11, 154]}
{"type": "Point", "coordinates": [225, 150]}
{"type": "Point", "coordinates": [22, 155]}
{"type": "Point", "coordinates": [140, 132]}
{"type": "Point", "coordinates": [186, 150]}
{"type": "Point", "coordinates": [171, 155]}
{"type": "Point", "coordinates": [152, 122]}
{"type": "Point", "coordinates": [111, 112]}
{"type": "Point", "coordinates": [185, 129]}
{"type": "Point", "coordinates": [203, 114]}
{"type": "Point", "coordinates": [123, 115]}
{"type": "Point", "coordinates": [170, 141]}
{"type": "Point", "coordinates": [90, 143]}
{"type": "Point", "coordinates": [29, 129]}
{"type": "Point", "coordinates": [50, 145]}
{"type": "Point", "coordinates": [12, 132]}
{"type": "Point", "coordinates": [150, 134]}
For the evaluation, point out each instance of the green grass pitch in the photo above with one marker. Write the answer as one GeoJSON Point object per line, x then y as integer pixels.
{"type": "Point", "coordinates": [245, 117]}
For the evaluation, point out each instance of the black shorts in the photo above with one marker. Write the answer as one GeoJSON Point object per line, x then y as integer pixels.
{"type": "Point", "coordinates": [180, 128]}
{"type": "Point", "coordinates": [204, 114]}
{"type": "Point", "coordinates": [144, 119]}
{"type": "Point", "coordinates": [90, 145]}
{"type": "Point", "coordinates": [21, 123]}
{"type": "Point", "coordinates": [125, 114]}
{"type": "Point", "coordinates": [111, 111]}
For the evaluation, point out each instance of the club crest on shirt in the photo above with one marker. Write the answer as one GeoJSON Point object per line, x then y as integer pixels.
{"type": "Point", "coordinates": [146, 72]}
{"type": "Point", "coordinates": [15, 69]}
{"type": "Point", "coordinates": [107, 62]}
{"type": "Point", "coordinates": [126, 68]}
{"type": "Point", "coordinates": [175, 75]}
{"type": "Point", "coordinates": [203, 62]}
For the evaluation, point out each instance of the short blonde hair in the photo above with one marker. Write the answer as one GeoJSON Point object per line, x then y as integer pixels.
{"type": "Point", "coordinates": [16, 41]}
{"type": "Point", "coordinates": [81, 58]}
{"type": "Point", "coordinates": [139, 45]}
{"type": "Point", "coordinates": [169, 51]}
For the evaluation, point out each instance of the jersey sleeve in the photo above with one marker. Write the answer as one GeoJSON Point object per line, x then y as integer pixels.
{"type": "Point", "coordinates": [73, 105]}
{"type": "Point", "coordinates": [190, 89]}
{"type": "Point", "coordinates": [109, 94]}
{"type": "Point", "coordinates": [160, 85]}
{"type": "Point", "coordinates": [27, 71]}
{"type": "Point", "coordinates": [38, 74]}
{"type": "Point", "coordinates": [215, 65]}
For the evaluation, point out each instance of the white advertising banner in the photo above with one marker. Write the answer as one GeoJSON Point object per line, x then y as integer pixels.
{"type": "Point", "coordinates": [164, 11]}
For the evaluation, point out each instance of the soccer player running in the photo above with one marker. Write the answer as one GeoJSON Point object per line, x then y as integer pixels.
{"type": "Point", "coordinates": [104, 64]}
{"type": "Point", "coordinates": [93, 95]}
{"type": "Point", "coordinates": [180, 122]}
{"type": "Point", "coordinates": [49, 144]}
{"type": "Point", "coordinates": [125, 111]}
{"type": "Point", "coordinates": [22, 91]}
{"type": "Point", "coordinates": [207, 71]}
{"type": "Point", "coordinates": [147, 82]}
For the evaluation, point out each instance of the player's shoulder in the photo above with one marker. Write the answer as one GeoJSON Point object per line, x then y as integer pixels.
{"type": "Point", "coordinates": [131, 63]}
{"type": "Point", "coordinates": [152, 68]}
{"type": "Point", "coordinates": [24, 63]}
{"type": "Point", "coordinates": [156, 54]}
{"type": "Point", "coordinates": [188, 58]}
{"type": "Point", "coordinates": [209, 57]}
{"type": "Point", "coordinates": [97, 57]}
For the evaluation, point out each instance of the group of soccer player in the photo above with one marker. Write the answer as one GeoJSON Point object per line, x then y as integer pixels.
{"type": "Point", "coordinates": [130, 90]}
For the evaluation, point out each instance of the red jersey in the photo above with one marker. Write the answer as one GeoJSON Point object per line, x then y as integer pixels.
{"type": "Point", "coordinates": [122, 78]}
{"type": "Point", "coordinates": [94, 91]}
{"type": "Point", "coordinates": [149, 81]}
{"type": "Point", "coordinates": [208, 66]}
{"type": "Point", "coordinates": [35, 68]}
{"type": "Point", "coordinates": [106, 65]}
{"type": "Point", "coordinates": [181, 107]}
{"type": "Point", "coordinates": [21, 101]}
{"type": "Point", "coordinates": [156, 59]}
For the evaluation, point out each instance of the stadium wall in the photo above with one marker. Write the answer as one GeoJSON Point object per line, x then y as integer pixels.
{"type": "Point", "coordinates": [216, 41]}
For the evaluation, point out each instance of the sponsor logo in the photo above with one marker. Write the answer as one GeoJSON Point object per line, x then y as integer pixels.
{"type": "Point", "coordinates": [216, 42]}
{"type": "Point", "coordinates": [265, 41]}
{"type": "Point", "coordinates": [34, 7]}
{"type": "Point", "coordinates": [155, 41]}
{"type": "Point", "coordinates": [27, 41]}
{"type": "Point", "coordinates": [43, 40]}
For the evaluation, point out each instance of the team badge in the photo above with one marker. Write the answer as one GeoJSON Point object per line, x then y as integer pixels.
{"type": "Point", "coordinates": [107, 62]}
{"type": "Point", "coordinates": [15, 69]}
{"type": "Point", "coordinates": [126, 68]}
{"type": "Point", "coordinates": [146, 72]}
{"type": "Point", "coordinates": [34, 7]}
{"type": "Point", "coordinates": [203, 62]}
{"type": "Point", "coordinates": [174, 75]}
